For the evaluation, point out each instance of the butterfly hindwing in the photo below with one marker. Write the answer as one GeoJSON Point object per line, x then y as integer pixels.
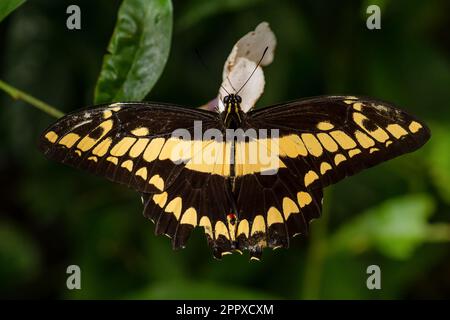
{"type": "Point", "coordinates": [196, 199]}
{"type": "Point", "coordinates": [272, 209]}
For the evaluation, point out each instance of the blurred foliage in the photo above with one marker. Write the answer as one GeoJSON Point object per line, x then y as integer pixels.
{"type": "Point", "coordinates": [196, 10]}
{"type": "Point", "coordinates": [19, 259]}
{"type": "Point", "coordinates": [439, 161]}
{"type": "Point", "coordinates": [195, 290]}
{"type": "Point", "coordinates": [395, 227]}
{"type": "Point", "coordinates": [395, 215]}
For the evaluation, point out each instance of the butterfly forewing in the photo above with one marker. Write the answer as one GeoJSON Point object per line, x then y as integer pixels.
{"type": "Point", "coordinates": [334, 137]}
{"type": "Point", "coordinates": [129, 143]}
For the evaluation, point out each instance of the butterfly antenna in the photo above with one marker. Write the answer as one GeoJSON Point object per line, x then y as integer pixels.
{"type": "Point", "coordinates": [229, 81]}
{"type": "Point", "coordinates": [225, 89]}
{"type": "Point", "coordinates": [202, 62]}
{"type": "Point", "coordinates": [257, 65]}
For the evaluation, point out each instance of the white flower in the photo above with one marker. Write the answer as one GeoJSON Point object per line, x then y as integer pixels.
{"type": "Point", "coordinates": [240, 64]}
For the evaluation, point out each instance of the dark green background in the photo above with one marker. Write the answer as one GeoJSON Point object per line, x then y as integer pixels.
{"type": "Point", "coordinates": [395, 215]}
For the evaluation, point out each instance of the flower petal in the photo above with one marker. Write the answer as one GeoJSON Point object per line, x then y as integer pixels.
{"type": "Point", "coordinates": [237, 76]}
{"type": "Point", "coordinates": [241, 62]}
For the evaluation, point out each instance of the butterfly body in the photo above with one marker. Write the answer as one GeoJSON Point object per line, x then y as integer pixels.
{"type": "Point", "coordinates": [246, 193]}
{"type": "Point", "coordinates": [233, 114]}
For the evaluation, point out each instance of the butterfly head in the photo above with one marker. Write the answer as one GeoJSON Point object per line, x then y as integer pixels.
{"type": "Point", "coordinates": [233, 110]}
{"type": "Point", "coordinates": [233, 100]}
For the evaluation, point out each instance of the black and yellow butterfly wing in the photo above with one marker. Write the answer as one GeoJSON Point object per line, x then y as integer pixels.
{"type": "Point", "coordinates": [321, 141]}
{"type": "Point", "coordinates": [133, 144]}
{"type": "Point", "coordinates": [127, 143]}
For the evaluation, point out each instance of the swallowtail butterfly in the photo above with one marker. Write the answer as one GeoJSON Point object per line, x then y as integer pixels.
{"type": "Point", "coordinates": [240, 203]}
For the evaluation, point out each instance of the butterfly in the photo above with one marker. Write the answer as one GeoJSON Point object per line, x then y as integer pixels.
{"type": "Point", "coordinates": [241, 204]}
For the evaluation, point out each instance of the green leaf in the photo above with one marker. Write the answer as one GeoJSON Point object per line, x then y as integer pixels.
{"type": "Point", "coordinates": [8, 6]}
{"type": "Point", "coordinates": [395, 227]}
{"type": "Point", "coordinates": [138, 51]}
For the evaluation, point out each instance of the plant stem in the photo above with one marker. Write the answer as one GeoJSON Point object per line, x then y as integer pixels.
{"type": "Point", "coordinates": [317, 253]}
{"type": "Point", "coordinates": [20, 95]}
